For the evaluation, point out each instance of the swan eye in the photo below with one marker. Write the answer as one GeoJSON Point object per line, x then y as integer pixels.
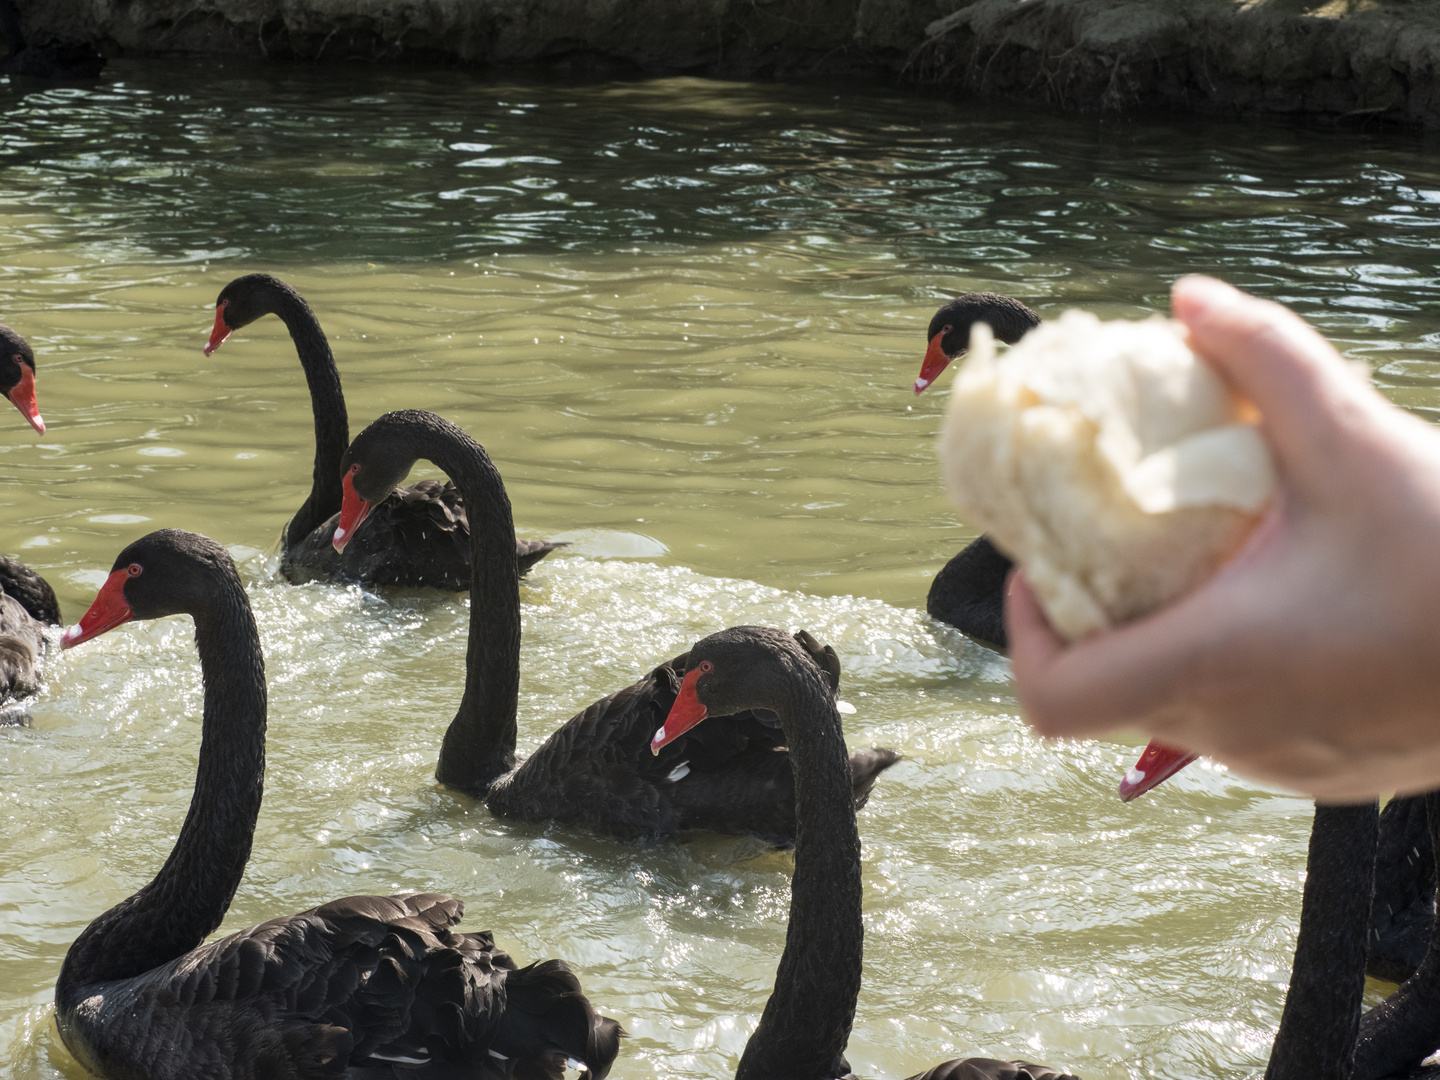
{"type": "Point", "coordinates": [947, 329]}
{"type": "Point", "coordinates": [706, 666]}
{"type": "Point", "coordinates": [354, 469]}
{"type": "Point", "coordinates": [134, 569]}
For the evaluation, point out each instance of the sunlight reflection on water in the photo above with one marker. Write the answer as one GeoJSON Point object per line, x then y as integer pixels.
{"type": "Point", "coordinates": [683, 316]}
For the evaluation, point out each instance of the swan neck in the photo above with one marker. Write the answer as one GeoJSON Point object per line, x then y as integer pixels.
{"type": "Point", "coordinates": [807, 1021]}
{"type": "Point", "coordinates": [327, 404]}
{"type": "Point", "coordinates": [189, 896]}
{"type": "Point", "coordinates": [479, 745]}
{"type": "Point", "coordinates": [1318, 1028]}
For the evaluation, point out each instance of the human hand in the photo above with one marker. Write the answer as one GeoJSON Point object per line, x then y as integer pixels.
{"type": "Point", "coordinates": [1312, 658]}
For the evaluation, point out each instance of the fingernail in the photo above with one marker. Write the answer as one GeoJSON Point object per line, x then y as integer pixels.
{"type": "Point", "coordinates": [1195, 294]}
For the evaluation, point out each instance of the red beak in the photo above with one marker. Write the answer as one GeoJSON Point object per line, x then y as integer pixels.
{"type": "Point", "coordinates": [684, 714]}
{"type": "Point", "coordinates": [221, 330]}
{"type": "Point", "coordinates": [107, 612]}
{"type": "Point", "coordinates": [1156, 765]}
{"type": "Point", "coordinates": [22, 395]}
{"type": "Point", "coordinates": [353, 510]}
{"type": "Point", "coordinates": [935, 362]}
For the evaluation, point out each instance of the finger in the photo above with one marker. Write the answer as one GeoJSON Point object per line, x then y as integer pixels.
{"type": "Point", "coordinates": [1033, 642]}
{"type": "Point", "coordinates": [1058, 694]}
{"type": "Point", "coordinates": [1152, 673]}
{"type": "Point", "coordinates": [1131, 676]}
{"type": "Point", "coordinates": [1296, 379]}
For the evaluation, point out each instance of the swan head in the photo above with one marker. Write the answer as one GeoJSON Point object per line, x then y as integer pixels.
{"type": "Point", "coordinates": [17, 376]}
{"type": "Point", "coordinates": [1156, 765]}
{"type": "Point", "coordinates": [167, 572]}
{"type": "Point", "coordinates": [374, 465]}
{"type": "Point", "coordinates": [949, 331]}
{"type": "Point", "coordinates": [739, 669]}
{"type": "Point", "coordinates": [247, 298]}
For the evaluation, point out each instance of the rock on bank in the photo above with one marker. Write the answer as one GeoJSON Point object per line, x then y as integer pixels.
{"type": "Point", "coordinates": [1357, 58]}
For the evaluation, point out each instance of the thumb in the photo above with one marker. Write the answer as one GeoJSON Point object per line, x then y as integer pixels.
{"type": "Point", "coordinates": [1300, 384]}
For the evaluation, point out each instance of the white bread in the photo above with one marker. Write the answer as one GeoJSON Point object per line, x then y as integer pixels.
{"type": "Point", "coordinates": [1108, 460]}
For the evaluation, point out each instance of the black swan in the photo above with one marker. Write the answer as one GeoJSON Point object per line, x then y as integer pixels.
{"type": "Point", "coordinates": [1364, 894]}
{"type": "Point", "coordinates": [806, 1023]}
{"type": "Point", "coordinates": [960, 593]}
{"type": "Point", "coordinates": [365, 987]}
{"type": "Point", "coordinates": [52, 60]}
{"type": "Point", "coordinates": [596, 770]}
{"type": "Point", "coordinates": [418, 536]}
{"type": "Point", "coordinates": [27, 603]}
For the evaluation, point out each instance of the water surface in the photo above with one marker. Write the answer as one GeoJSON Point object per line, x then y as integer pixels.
{"type": "Point", "coordinates": [683, 316]}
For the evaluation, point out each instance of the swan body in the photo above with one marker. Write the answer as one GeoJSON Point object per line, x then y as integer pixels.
{"type": "Point", "coordinates": [596, 770]}
{"type": "Point", "coordinates": [418, 537]}
{"type": "Point", "coordinates": [807, 1019]}
{"type": "Point", "coordinates": [365, 987]}
{"type": "Point", "coordinates": [280, 1000]}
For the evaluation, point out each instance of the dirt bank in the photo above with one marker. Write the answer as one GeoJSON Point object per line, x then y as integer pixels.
{"type": "Point", "coordinates": [1371, 58]}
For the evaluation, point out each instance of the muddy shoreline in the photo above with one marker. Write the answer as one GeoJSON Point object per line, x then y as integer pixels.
{"type": "Point", "coordinates": [1367, 59]}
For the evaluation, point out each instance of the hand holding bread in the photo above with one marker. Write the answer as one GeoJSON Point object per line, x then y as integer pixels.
{"type": "Point", "coordinates": [1309, 657]}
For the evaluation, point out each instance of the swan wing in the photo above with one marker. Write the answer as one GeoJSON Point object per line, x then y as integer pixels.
{"type": "Point", "coordinates": [366, 980]}
{"type": "Point", "coordinates": [419, 537]}
{"type": "Point", "coordinates": [31, 590]}
{"type": "Point", "coordinates": [593, 769]}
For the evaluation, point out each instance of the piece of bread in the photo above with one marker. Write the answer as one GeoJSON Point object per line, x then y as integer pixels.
{"type": "Point", "coordinates": [1108, 460]}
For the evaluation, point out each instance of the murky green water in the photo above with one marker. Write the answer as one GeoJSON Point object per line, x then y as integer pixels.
{"type": "Point", "coordinates": [684, 317]}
